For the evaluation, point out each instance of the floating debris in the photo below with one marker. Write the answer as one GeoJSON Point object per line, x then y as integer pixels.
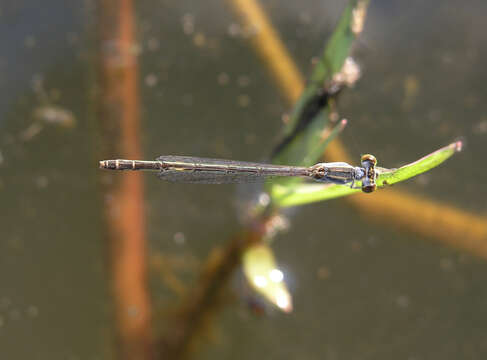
{"type": "Point", "coordinates": [31, 131]}
{"type": "Point", "coordinates": [151, 80]}
{"type": "Point", "coordinates": [243, 100]}
{"type": "Point", "coordinates": [304, 18]}
{"type": "Point", "coordinates": [32, 311]}
{"type": "Point", "coordinates": [402, 301]}
{"type": "Point", "coordinates": [188, 24]}
{"type": "Point", "coordinates": [187, 100]}
{"type": "Point", "coordinates": [153, 44]}
{"type": "Point", "coordinates": [234, 30]}
{"type": "Point", "coordinates": [411, 89]}
{"type": "Point", "coordinates": [48, 115]}
{"type": "Point", "coordinates": [179, 238]}
{"type": "Point", "coordinates": [199, 39]}
{"type": "Point", "coordinates": [323, 273]}
{"type": "Point", "coordinates": [243, 81]}
{"type": "Point", "coordinates": [480, 127]}
{"type": "Point", "coordinates": [30, 41]}
{"type": "Point", "coordinates": [446, 264]}
{"type": "Point", "coordinates": [72, 38]}
{"type": "Point", "coordinates": [42, 181]}
{"type": "Point", "coordinates": [223, 79]}
{"type": "Point", "coordinates": [55, 115]}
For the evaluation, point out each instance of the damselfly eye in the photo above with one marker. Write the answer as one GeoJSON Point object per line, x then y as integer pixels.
{"type": "Point", "coordinates": [369, 157]}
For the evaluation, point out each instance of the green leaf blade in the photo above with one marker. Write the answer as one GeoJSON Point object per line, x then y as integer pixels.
{"type": "Point", "coordinates": [392, 176]}
{"type": "Point", "coordinates": [308, 193]}
{"type": "Point", "coordinates": [330, 63]}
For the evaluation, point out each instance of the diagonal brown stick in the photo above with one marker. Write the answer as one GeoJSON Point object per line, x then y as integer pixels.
{"type": "Point", "coordinates": [118, 110]}
{"type": "Point", "coordinates": [198, 308]}
{"type": "Point", "coordinates": [461, 229]}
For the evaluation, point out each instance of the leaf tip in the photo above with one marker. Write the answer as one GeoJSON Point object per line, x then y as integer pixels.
{"type": "Point", "coordinates": [284, 302]}
{"type": "Point", "coordinates": [458, 146]}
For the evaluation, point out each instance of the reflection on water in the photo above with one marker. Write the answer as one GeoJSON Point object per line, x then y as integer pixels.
{"type": "Point", "coordinates": [362, 290]}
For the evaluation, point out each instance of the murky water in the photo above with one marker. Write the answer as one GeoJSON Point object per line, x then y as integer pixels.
{"type": "Point", "coordinates": [363, 289]}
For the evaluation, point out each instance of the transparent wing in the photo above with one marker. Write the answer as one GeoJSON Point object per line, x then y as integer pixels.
{"type": "Point", "coordinates": [186, 169]}
{"type": "Point", "coordinates": [208, 177]}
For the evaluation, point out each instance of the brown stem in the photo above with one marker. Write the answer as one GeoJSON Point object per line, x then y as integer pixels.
{"type": "Point", "coordinates": [118, 110]}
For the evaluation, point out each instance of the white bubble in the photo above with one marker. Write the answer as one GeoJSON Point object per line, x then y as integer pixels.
{"type": "Point", "coordinates": [179, 238]}
{"type": "Point", "coordinates": [42, 181]}
{"type": "Point", "coordinates": [276, 275]}
{"type": "Point", "coordinates": [151, 80]}
{"type": "Point", "coordinates": [30, 41]}
{"type": "Point", "coordinates": [153, 44]}
{"type": "Point", "coordinates": [223, 78]}
{"type": "Point", "coordinates": [304, 17]}
{"type": "Point", "coordinates": [15, 314]}
{"type": "Point", "coordinates": [402, 301]}
{"type": "Point", "coordinates": [234, 29]}
{"type": "Point", "coordinates": [32, 311]}
{"type": "Point", "coordinates": [188, 24]}
{"type": "Point", "coordinates": [243, 81]}
{"type": "Point", "coordinates": [187, 100]}
{"type": "Point", "coordinates": [71, 37]}
{"type": "Point", "coordinates": [480, 127]}
{"type": "Point", "coordinates": [133, 311]}
{"type": "Point", "coordinates": [264, 199]}
{"type": "Point", "coordinates": [5, 302]}
{"type": "Point", "coordinates": [243, 100]}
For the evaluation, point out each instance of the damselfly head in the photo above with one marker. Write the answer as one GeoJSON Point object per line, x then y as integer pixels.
{"type": "Point", "coordinates": [368, 182]}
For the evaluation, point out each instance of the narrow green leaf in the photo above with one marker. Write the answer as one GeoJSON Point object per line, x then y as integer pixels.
{"type": "Point", "coordinates": [307, 146]}
{"type": "Point", "coordinates": [338, 47]}
{"type": "Point", "coordinates": [307, 193]}
{"type": "Point", "coordinates": [332, 59]}
{"type": "Point", "coordinates": [392, 176]}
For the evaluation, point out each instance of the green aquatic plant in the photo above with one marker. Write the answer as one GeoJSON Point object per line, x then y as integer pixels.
{"type": "Point", "coordinates": [305, 136]}
{"type": "Point", "coordinates": [300, 194]}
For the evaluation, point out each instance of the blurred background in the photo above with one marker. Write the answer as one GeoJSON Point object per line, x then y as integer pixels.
{"type": "Point", "coordinates": [362, 288]}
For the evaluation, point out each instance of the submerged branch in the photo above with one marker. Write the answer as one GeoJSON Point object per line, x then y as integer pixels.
{"type": "Point", "coordinates": [118, 110]}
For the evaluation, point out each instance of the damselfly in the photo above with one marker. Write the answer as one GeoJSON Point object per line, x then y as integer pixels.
{"type": "Point", "coordinates": [185, 169]}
